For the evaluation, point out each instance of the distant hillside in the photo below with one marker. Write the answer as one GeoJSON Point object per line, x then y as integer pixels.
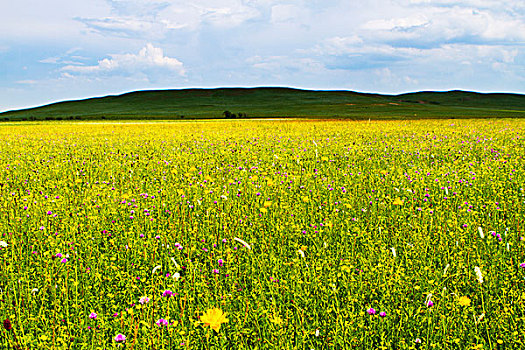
{"type": "Point", "coordinates": [268, 102]}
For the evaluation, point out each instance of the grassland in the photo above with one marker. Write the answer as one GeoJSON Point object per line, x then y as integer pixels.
{"type": "Point", "coordinates": [305, 234]}
{"type": "Point", "coordinates": [279, 103]}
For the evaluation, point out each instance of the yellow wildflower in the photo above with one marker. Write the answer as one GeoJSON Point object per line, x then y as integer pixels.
{"type": "Point", "coordinates": [464, 301]}
{"type": "Point", "coordinates": [214, 318]}
{"type": "Point", "coordinates": [276, 319]}
{"type": "Point", "coordinates": [398, 201]}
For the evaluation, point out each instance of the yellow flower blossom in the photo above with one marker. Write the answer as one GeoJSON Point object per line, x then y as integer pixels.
{"type": "Point", "coordinates": [464, 301]}
{"type": "Point", "coordinates": [398, 201]}
{"type": "Point", "coordinates": [214, 318]}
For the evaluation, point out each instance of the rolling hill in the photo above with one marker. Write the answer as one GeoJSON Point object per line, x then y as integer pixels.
{"type": "Point", "coordinates": [271, 102]}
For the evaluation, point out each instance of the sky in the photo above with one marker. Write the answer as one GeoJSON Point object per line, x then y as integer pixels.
{"type": "Point", "coordinates": [57, 50]}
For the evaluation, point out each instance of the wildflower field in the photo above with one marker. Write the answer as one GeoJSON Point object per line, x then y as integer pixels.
{"type": "Point", "coordinates": [263, 235]}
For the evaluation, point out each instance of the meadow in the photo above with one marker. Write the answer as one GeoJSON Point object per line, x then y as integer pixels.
{"type": "Point", "coordinates": [263, 235]}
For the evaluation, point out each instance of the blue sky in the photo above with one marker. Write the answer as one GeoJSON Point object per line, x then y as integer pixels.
{"type": "Point", "coordinates": [57, 50]}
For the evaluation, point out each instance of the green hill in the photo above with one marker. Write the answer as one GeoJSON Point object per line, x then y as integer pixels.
{"type": "Point", "coordinates": [271, 102]}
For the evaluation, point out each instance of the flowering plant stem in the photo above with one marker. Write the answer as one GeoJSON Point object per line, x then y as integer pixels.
{"type": "Point", "coordinates": [485, 312]}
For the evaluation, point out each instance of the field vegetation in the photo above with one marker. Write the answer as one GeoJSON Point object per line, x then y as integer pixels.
{"type": "Point", "coordinates": [263, 235]}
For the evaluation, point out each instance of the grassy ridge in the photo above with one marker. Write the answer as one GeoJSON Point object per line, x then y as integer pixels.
{"type": "Point", "coordinates": [279, 102]}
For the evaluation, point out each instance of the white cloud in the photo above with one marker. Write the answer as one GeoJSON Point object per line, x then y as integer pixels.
{"type": "Point", "coordinates": [279, 63]}
{"type": "Point", "coordinates": [148, 58]}
{"type": "Point", "coordinates": [397, 23]}
{"type": "Point", "coordinates": [154, 19]}
{"type": "Point", "coordinates": [120, 26]}
{"type": "Point", "coordinates": [27, 82]}
{"type": "Point", "coordinates": [437, 25]}
{"type": "Point", "coordinates": [284, 13]}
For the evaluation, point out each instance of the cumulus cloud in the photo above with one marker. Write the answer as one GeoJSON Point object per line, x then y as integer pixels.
{"type": "Point", "coordinates": [148, 58]}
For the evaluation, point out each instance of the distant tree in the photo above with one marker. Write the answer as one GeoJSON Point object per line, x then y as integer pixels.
{"type": "Point", "coordinates": [227, 114]}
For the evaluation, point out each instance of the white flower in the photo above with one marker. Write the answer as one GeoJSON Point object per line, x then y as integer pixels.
{"type": "Point", "coordinates": [393, 251]}
{"type": "Point", "coordinates": [174, 262]}
{"type": "Point", "coordinates": [446, 268]}
{"type": "Point", "coordinates": [242, 242]}
{"type": "Point", "coordinates": [479, 275]}
{"type": "Point", "coordinates": [34, 290]}
{"type": "Point", "coordinates": [3, 244]}
{"type": "Point", "coordinates": [301, 252]}
{"type": "Point", "coordinates": [155, 269]}
{"type": "Point", "coordinates": [176, 275]}
{"type": "Point", "coordinates": [480, 318]}
{"type": "Point", "coordinates": [481, 232]}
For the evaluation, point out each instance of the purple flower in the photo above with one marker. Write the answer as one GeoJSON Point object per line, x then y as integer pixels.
{"type": "Point", "coordinates": [220, 262]}
{"type": "Point", "coordinates": [93, 316]}
{"type": "Point", "coordinates": [215, 271]}
{"type": "Point", "coordinates": [161, 322]}
{"type": "Point", "coordinates": [63, 260]}
{"type": "Point", "coordinates": [382, 314]}
{"type": "Point", "coordinates": [430, 303]}
{"type": "Point", "coordinates": [371, 311]}
{"type": "Point", "coordinates": [120, 338]}
{"type": "Point", "coordinates": [522, 265]}
{"type": "Point", "coordinates": [58, 255]}
{"type": "Point", "coordinates": [143, 300]}
{"type": "Point", "coordinates": [167, 293]}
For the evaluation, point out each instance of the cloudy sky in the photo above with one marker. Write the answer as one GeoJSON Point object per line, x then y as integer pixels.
{"type": "Point", "coordinates": [68, 49]}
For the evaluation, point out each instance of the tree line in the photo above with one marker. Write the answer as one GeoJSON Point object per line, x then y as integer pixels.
{"type": "Point", "coordinates": [230, 115]}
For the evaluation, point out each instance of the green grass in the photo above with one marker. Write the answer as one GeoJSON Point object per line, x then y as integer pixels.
{"type": "Point", "coordinates": [279, 102]}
